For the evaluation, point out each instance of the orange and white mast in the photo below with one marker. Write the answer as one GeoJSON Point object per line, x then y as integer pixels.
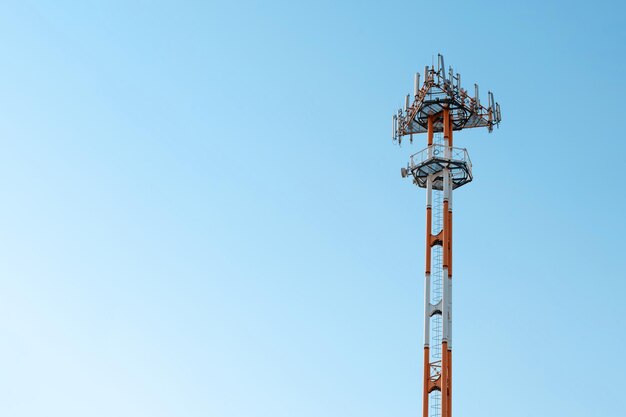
{"type": "Point", "coordinates": [440, 106]}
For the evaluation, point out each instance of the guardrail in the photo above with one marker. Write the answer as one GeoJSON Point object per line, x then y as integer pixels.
{"type": "Point", "coordinates": [441, 152]}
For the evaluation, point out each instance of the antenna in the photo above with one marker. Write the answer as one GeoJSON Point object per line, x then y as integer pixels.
{"type": "Point", "coordinates": [416, 84]}
{"type": "Point", "coordinates": [442, 67]}
{"type": "Point", "coordinates": [476, 98]}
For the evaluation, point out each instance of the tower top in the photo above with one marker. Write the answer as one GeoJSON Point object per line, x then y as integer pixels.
{"type": "Point", "coordinates": [443, 90]}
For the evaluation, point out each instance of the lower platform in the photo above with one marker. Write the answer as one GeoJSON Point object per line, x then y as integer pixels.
{"type": "Point", "coordinates": [433, 160]}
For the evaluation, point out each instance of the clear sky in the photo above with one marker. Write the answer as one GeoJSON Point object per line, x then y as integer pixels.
{"type": "Point", "coordinates": [202, 212]}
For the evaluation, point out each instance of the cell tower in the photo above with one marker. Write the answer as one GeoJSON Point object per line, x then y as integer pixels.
{"type": "Point", "coordinates": [440, 106]}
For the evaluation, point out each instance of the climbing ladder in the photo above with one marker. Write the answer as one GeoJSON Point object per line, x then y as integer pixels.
{"type": "Point", "coordinates": [436, 296]}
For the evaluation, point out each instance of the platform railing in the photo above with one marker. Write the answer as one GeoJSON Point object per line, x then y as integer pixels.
{"type": "Point", "coordinates": [440, 151]}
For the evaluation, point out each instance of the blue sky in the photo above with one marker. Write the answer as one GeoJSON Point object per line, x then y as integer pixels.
{"type": "Point", "coordinates": [202, 212]}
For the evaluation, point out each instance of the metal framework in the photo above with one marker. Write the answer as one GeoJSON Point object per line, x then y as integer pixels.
{"type": "Point", "coordinates": [440, 106]}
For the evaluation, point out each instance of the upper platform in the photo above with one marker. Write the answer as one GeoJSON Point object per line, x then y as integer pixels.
{"type": "Point", "coordinates": [440, 90]}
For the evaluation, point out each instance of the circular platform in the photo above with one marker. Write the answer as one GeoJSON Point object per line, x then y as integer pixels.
{"type": "Point", "coordinates": [433, 160]}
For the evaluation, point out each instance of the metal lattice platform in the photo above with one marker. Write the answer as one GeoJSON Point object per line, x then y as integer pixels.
{"type": "Point", "coordinates": [433, 160]}
{"type": "Point", "coordinates": [443, 90]}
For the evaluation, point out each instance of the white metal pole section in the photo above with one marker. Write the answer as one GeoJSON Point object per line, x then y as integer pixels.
{"type": "Point", "coordinates": [427, 306]}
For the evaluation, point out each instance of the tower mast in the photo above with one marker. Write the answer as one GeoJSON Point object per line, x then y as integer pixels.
{"type": "Point", "coordinates": [439, 107]}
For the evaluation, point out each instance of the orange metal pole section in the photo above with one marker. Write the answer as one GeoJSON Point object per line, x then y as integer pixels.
{"type": "Point", "coordinates": [446, 123]}
{"type": "Point", "coordinates": [446, 236]}
{"type": "Point", "coordinates": [426, 381]}
{"type": "Point", "coordinates": [450, 129]}
{"type": "Point", "coordinates": [444, 381]}
{"type": "Point", "coordinates": [430, 132]}
{"type": "Point", "coordinates": [450, 382]}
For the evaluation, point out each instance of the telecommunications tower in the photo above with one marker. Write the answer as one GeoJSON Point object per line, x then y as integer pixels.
{"type": "Point", "coordinates": [439, 107]}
